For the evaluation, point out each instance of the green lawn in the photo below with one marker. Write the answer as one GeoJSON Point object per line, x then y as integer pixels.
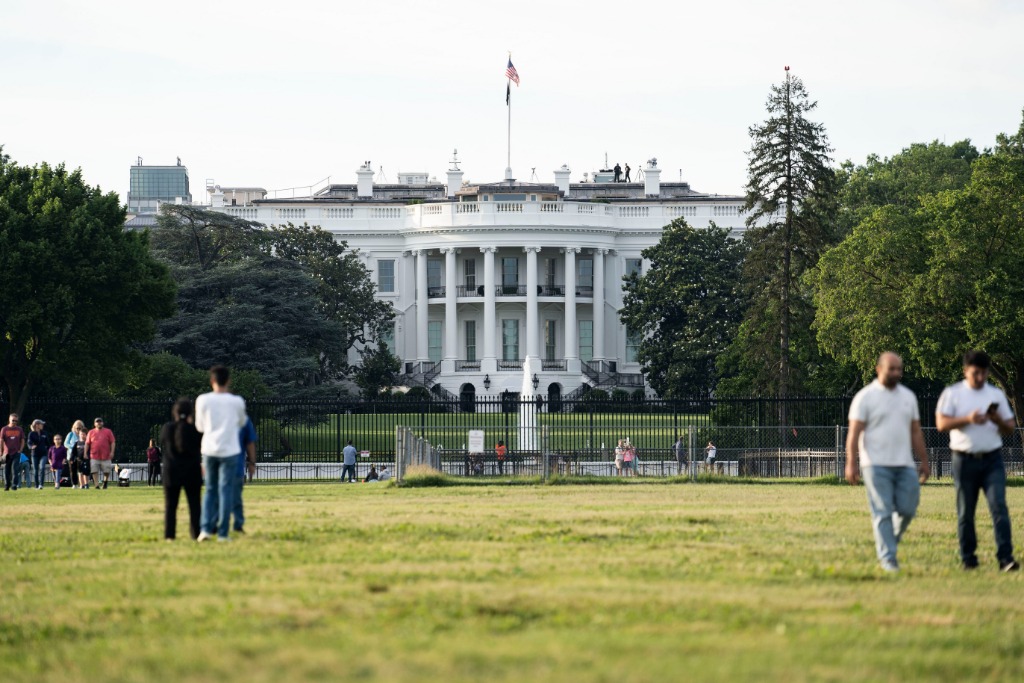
{"type": "Point", "coordinates": [639, 582]}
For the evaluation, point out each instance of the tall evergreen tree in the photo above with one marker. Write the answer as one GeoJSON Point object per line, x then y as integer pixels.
{"type": "Point", "coordinates": [791, 199]}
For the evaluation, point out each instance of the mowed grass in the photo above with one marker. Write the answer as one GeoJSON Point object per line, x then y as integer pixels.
{"type": "Point", "coordinates": [640, 582]}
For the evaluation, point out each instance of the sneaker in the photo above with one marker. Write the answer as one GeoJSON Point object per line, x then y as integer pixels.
{"type": "Point", "coordinates": [203, 536]}
{"type": "Point", "coordinates": [968, 565]}
{"type": "Point", "coordinates": [1010, 566]}
{"type": "Point", "coordinates": [223, 539]}
{"type": "Point", "coordinates": [890, 567]}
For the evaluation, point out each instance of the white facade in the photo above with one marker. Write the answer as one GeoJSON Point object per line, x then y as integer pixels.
{"type": "Point", "coordinates": [483, 277]}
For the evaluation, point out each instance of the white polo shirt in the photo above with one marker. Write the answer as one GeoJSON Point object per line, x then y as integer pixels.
{"type": "Point", "coordinates": [960, 400]}
{"type": "Point", "coordinates": [887, 415]}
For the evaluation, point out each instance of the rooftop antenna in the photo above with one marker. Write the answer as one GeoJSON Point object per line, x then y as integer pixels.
{"type": "Point", "coordinates": [680, 175]}
{"type": "Point", "coordinates": [455, 160]}
{"type": "Point", "coordinates": [533, 175]}
{"type": "Point", "coordinates": [140, 161]}
{"type": "Point", "coordinates": [381, 178]}
{"type": "Point", "coordinates": [605, 160]}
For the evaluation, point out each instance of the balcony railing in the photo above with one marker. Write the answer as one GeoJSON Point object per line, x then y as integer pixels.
{"type": "Point", "coordinates": [467, 366]}
{"type": "Point", "coordinates": [511, 290]}
{"type": "Point", "coordinates": [467, 290]}
{"type": "Point", "coordinates": [435, 292]}
{"type": "Point", "coordinates": [584, 290]}
{"type": "Point", "coordinates": [554, 365]}
{"type": "Point", "coordinates": [510, 365]}
{"type": "Point", "coordinates": [552, 290]}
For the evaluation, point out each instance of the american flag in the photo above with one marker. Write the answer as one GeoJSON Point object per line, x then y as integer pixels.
{"type": "Point", "coordinates": [511, 73]}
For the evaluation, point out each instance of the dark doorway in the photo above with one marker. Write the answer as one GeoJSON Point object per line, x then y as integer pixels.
{"type": "Point", "coordinates": [554, 397]}
{"type": "Point", "coordinates": [467, 398]}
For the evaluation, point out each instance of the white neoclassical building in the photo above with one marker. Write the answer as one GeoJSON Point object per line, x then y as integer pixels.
{"type": "Point", "coordinates": [483, 276]}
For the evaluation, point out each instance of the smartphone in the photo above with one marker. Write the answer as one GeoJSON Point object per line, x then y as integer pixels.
{"type": "Point", "coordinates": [993, 407]}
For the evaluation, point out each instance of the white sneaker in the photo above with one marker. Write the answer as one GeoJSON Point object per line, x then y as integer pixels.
{"type": "Point", "coordinates": [203, 536]}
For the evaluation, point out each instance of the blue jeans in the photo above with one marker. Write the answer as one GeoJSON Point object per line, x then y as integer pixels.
{"type": "Point", "coordinates": [39, 466]}
{"type": "Point", "coordinates": [236, 507]}
{"type": "Point", "coordinates": [219, 499]}
{"type": "Point", "coordinates": [970, 477]}
{"type": "Point", "coordinates": [350, 470]}
{"type": "Point", "coordinates": [893, 495]}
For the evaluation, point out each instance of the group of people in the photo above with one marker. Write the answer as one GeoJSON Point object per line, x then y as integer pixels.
{"type": "Point", "coordinates": [625, 459]}
{"type": "Point", "coordinates": [348, 467]}
{"type": "Point", "coordinates": [885, 434]}
{"type": "Point", "coordinates": [74, 461]}
{"type": "Point", "coordinates": [618, 173]}
{"type": "Point", "coordinates": [213, 438]}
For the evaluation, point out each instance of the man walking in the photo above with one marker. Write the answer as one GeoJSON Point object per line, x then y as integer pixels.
{"type": "Point", "coordinates": [680, 453]}
{"type": "Point", "coordinates": [349, 462]}
{"type": "Point", "coordinates": [12, 440]}
{"type": "Point", "coordinates": [977, 415]}
{"type": "Point", "coordinates": [885, 433]}
{"type": "Point", "coordinates": [99, 448]}
{"type": "Point", "coordinates": [219, 417]}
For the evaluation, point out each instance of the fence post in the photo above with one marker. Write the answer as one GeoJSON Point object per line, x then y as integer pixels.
{"type": "Point", "coordinates": [690, 448]}
{"type": "Point", "coordinates": [839, 468]}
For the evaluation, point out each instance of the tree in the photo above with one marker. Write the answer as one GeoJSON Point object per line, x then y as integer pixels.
{"type": "Point", "coordinates": [936, 281]}
{"type": "Point", "coordinates": [345, 291]}
{"type": "Point", "coordinates": [791, 205]}
{"type": "Point", "coordinates": [377, 372]}
{"type": "Point", "coordinates": [687, 307]}
{"type": "Point", "coordinates": [241, 306]}
{"type": "Point", "coordinates": [76, 290]}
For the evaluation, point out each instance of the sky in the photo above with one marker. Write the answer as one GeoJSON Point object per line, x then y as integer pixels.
{"type": "Point", "coordinates": [283, 95]}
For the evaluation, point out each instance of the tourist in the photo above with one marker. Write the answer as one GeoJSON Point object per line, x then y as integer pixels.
{"type": "Point", "coordinates": [180, 443]}
{"type": "Point", "coordinates": [385, 473]}
{"type": "Point", "coordinates": [247, 439]}
{"type": "Point", "coordinates": [627, 459]}
{"type": "Point", "coordinates": [885, 430]}
{"type": "Point", "coordinates": [627, 172]}
{"type": "Point", "coordinates": [75, 443]}
{"type": "Point", "coordinates": [219, 415]}
{"type": "Point", "coordinates": [372, 474]}
{"type": "Point", "coordinates": [977, 416]}
{"type": "Point", "coordinates": [12, 440]}
{"type": "Point", "coordinates": [710, 454]}
{"type": "Point", "coordinates": [619, 454]}
{"type": "Point", "coordinates": [57, 456]}
{"type": "Point", "coordinates": [99, 447]}
{"type": "Point", "coordinates": [349, 462]}
{"type": "Point", "coordinates": [680, 453]}
{"type": "Point", "coordinates": [153, 458]}
{"type": "Point", "coordinates": [38, 445]}
{"type": "Point", "coordinates": [21, 478]}
{"type": "Point", "coordinates": [499, 455]}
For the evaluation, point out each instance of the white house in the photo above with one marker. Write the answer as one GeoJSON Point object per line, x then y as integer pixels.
{"type": "Point", "coordinates": [482, 276]}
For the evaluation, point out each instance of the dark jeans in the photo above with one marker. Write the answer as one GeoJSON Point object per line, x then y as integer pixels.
{"type": "Point", "coordinates": [39, 466]}
{"type": "Point", "coordinates": [349, 470]}
{"type": "Point", "coordinates": [178, 476]}
{"type": "Point", "coordinates": [9, 471]}
{"type": "Point", "coordinates": [154, 472]}
{"type": "Point", "coordinates": [972, 476]}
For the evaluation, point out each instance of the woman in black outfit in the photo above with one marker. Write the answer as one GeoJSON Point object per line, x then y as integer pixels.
{"type": "Point", "coordinates": [182, 467]}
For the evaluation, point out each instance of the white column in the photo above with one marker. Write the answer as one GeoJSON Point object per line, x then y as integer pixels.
{"type": "Point", "coordinates": [451, 325]}
{"type": "Point", "coordinates": [572, 351]}
{"type": "Point", "coordinates": [599, 303]}
{"type": "Point", "coordinates": [532, 331]}
{"type": "Point", "coordinates": [422, 353]}
{"type": "Point", "coordinates": [489, 361]}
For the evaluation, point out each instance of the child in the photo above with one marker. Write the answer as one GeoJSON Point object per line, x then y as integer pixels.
{"type": "Point", "coordinates": [58, 455]}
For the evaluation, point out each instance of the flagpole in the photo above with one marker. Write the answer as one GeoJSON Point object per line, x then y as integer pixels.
{"type": "Point", "coordinates": [509, 162]}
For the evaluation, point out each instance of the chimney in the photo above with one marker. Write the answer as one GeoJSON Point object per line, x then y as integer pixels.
{"type": "Point", "coordinates": [365, 183]}
{"type": "Point", "coordinates": [216, 196]}
{"type": "Point", "coordinates": [562, 179]}
{"type": "Point", "coordinates": [652, 178]}
{"type": "Point", "coordinates": [454, 176]}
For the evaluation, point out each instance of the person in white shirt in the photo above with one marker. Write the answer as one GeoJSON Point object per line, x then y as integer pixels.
{"type": "Point", "coordinates": [977, 416]}
{"type": "Point", "coordinates": [219, 416]}
{"type": "Point", "coordinates": [884, 435]}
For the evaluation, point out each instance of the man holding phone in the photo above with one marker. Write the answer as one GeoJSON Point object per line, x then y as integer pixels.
{"type": "Point", "coordinates": [977, 416]}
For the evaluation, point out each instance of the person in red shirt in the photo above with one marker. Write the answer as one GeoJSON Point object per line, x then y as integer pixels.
{"type": "Point", "coordinates": [499, 453]}
{"type": "Point", "coordinates": [12, 441]}
{"type": "Point", "coordinates": [99, 446]}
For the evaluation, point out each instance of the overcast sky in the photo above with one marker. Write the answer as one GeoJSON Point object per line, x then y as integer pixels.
{"type": "Point", "coordinates": [279, 94]}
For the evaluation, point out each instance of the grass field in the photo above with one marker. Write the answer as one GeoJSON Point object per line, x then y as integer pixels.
{"type": "Point", "coordinates": [637, 582]}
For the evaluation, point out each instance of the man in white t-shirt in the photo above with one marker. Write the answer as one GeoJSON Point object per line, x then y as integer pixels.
{"type": "Point", "coordinates": [884, 435]}
{"type": "Point", "coordinates": [219, 417]}
{"type": "Point", "coordinates": [977, 416]}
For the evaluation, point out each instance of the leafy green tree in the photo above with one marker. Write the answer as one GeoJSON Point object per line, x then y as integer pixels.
{"type": "Point", "coordinates": [377, 372]}
{"type": "Point", "coordinates": [76, 290]}
{"type": "Point", "coordinates": [935, 281]}
{"type": "Point", "coordinates": [241, 306]}
{"type": "Point", "coordinates": [345, 291]}
{"type": "Point", "coordinates": [790, 202]}
{"type": "Point", "coordinates": [687, 306]}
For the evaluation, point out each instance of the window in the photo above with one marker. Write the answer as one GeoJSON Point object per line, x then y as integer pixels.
{"type": "Point", "coordinates": [634, 265]}
{"type": "Point", "coordinates": [586, 278]}
{"type": "Point", "coordinates": [385, 275]}
{"type": "Point", "coordinates": [510, 340]}
{"type": "Point", "coordinates": [434, 340]}
{"type": "Point", "coordinates": [470, 340]}
{"type": "Point", "coordinates": [510, 274]}
{"type": "Point", "coordinates": [549, 339]}
{"type": "Point", "coordinates": [387, 338]}
{"type": "Point", "coordinates": [633, 340]}
{"type": "Point", "coordinates": [586, 340]}
{"type": "Point", "coordinates": [550, 266]}
{"type": "Point", "coordinates": [470, 272]}
{"type": "Point", "coordinates": [433, 274]}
